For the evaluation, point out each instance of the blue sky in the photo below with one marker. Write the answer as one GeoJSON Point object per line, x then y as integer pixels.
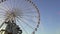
{"type": "Point", "coordinates": [50, 16]}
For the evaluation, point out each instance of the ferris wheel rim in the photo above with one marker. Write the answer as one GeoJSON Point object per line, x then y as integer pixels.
{"type": "Point", "coordinates": [37, 12]}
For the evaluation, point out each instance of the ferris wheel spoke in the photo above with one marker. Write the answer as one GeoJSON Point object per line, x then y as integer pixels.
{"type": "Point", "coordinates": [28, 10]}
{"type": "Point", "coordinates": [4, 8]}
{"type": "Point", "coordinates": [26, 7]}
{"type": "Point", "coordinates": [29, 16]}
{"type": "Point", "coordinates": [28, 19]}
{"type": "Point", "coordinates": [4, 11]}
{"type": "Point", "coordinates": [15, 3]}
{"type": "Point", "coordinates": [1, 25]}
{"type": "Point", "coordinates": [2, 17]}
{"type": "Point", "coordinates": [28, 13]}
{"type": "Point", "coordinates": [11, 6]}
{"type": "Point", "coordinates": [2, 14]}
{"type": "Point", "coordinates": [22, 27]}
{"type": "Point", "coordinates": [8, 6]}
{"type": "Point", "coordinates": [24, 22]}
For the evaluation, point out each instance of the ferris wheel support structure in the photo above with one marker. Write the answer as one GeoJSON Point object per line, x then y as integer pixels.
{"type": "Point", "coordinates": [11, 28]}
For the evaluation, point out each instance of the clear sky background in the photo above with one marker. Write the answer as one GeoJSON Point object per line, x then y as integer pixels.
{"type": "Point", "coordinates": [50, 16]}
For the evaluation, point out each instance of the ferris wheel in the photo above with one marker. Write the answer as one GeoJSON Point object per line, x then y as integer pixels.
{"type": "Point", "coordinates": [23, 13]}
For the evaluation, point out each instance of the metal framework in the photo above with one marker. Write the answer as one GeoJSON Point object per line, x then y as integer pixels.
{"type": "Point", "coordinates": [11, 28]}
